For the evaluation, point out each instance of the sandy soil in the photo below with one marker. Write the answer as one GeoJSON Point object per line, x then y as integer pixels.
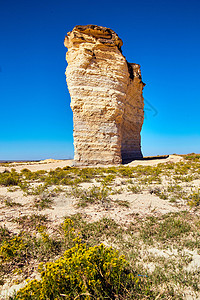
{"type": "Point", "coordinates": [64, 204]}
{"type": "Point", "coordinates": [155, 161]}
{"type": "Point", "coordinates": [47, 165]}
{"type": "Point", "coordinates": [51, 164]}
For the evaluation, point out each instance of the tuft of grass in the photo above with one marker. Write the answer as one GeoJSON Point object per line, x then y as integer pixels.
{"type": "Point", "coordinates": [93, 195]}
{"type": "Point", "coordinates": [29, 222]}
{"type": "Point", "coordinates": [122, 203]}
{"type": "Point", "coordinates": [194, 199]}
{"type": "Point", "coordinates": [43, 201]}
{"type": "Point", "coordinates": [170, 228]}
{"type": "Point", "coordinates": [135, 189]}
{"type": "Point", "coordinates": [10, 203]}
{"type": "Point", "coordinates": [125, 172]}
{"type": "Point", "coordinates": [158, 192]}
{"type": "Point", "coordinates": [108, 180]}
{"type": "Point", "coordinates": [4, 234]}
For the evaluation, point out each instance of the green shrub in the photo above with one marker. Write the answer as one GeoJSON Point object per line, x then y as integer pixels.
{"type": "Point", "coordinates": [9, 178]}
{"type": "Point", "coordinates": [12, 249]}
{"type": "Point", "coordinates": [125, 172]}
{"type": "Point", "coordinates": [108, 179]}
{"type": "Point", "coordinates": [158, 192]}
{"type": "Point", "coordinates": [10, 203]}
{"type": "Point", "coordinates": [28, 175]}
{"type": "Point", "coordinates": [194, 199]}
{"type": "Point", "coordinates": [192, 157]}
{"type": "Point", "coordinates": [135, 189]}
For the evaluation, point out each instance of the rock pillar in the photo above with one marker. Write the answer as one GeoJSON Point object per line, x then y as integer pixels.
{"type": "Point", "coordinates": [106, 97]}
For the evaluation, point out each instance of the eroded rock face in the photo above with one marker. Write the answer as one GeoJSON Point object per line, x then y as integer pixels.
{"type": "Point", "coordinates": [106, 97]}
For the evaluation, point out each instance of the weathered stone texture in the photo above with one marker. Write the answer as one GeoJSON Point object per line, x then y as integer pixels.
{"type": "Point", "coordinates": [106, 97]}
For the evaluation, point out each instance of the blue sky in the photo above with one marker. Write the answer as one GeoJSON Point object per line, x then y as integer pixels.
{"type": "Point", "coordinates": [162, 36]}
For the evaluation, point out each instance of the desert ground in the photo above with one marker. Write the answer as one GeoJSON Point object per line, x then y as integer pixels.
{"type": "Point", "coordinates": [148, 210]}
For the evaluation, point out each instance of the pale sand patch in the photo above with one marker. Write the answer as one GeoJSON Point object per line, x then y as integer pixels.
{"type": "Point", "coordinates": [141, 204]}
{"type": "Point", "coordinates": [65, 205]}
{"type": "Point", "coordinates": [153, 162]}
{"type": "Point", "coordinates": [8, 290]}
{"type": "Point", "coordinates": [47, 165]}
{"type": "Point", "coordinates": [51, 164]}
{"type": "Point", "coordinates": [192, 266]}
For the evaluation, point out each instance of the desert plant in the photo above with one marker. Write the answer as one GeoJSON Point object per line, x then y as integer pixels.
{"type": "Point", "coordinates": [92, 195]}
{"type": "Point", "coordinates": [135, 189]}
{"type": "Point", "coordinates": [108, 179]}
{"type": "Point", "coordinates": [10, 178]}
{"type": "Point", "coordinates": [170, 228]}
{"type": "Point", "coordinates": [12, 249]}
{"type": "Point", "coordinates": [123, 203]}
{"type": "Point", "coordinates": [10, 203]}
{"type": "Point", "coordinates": [43, 201]}
{"type": "Point", "coordinates": [194, 199]}
{"type": "Point", "coordinates": [85, 273]}
{"type": "Point", "coordinates": [28, 222]}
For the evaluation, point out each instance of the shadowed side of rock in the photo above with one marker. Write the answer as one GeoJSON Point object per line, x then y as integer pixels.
{"type": "Point", "coordinates": [106, 97]}
{"type": "Point", "coordinates": [133, 116]}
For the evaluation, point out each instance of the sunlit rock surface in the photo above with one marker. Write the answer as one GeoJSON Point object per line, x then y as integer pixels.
{"type": "Point", "coordinates": [106, 97]}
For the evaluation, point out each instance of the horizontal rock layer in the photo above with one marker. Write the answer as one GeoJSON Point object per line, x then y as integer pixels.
{"type": "Point", "coordinates": [106, 97]}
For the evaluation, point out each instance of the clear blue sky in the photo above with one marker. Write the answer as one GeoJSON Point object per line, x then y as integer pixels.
{"type": "Point", "coordinates": [162, 36]}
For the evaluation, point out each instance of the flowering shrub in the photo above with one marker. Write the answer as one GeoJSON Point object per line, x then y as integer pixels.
{"type": "Point", "coordinates": [83, 273]}
{"type": "Point", "coordinates": [12, 249]}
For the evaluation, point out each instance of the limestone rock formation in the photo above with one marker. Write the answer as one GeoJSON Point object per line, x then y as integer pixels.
{"type": "Point", "coordinates": [106, 97]}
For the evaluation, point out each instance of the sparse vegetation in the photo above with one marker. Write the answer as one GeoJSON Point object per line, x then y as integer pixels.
{"type": "Point", "coordinates": [144, 256]}
{"type": "Point", "coordinates": [43, 201]}
{"type": "Point", "coordinates": [168, 229]}
{"type": "Point", "coordinates": [135, 189]}
{"type": "Point", "coordinates": [194, 199]}
{"type": "Point", "coordinates": [92, 195]}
